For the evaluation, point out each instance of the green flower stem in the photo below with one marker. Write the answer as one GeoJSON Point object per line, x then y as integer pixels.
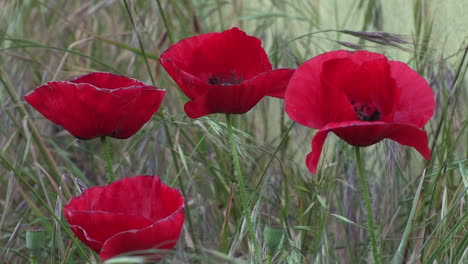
{"type": "Point", "coordinates": [240, 181]}
{"type": "Point", "coordinates": [139, 41]}
{"type": "Point", "coordinates": [283, 140]}
{"type": "Point", "coordinates": [220, 15]}
{"type": "Point", "coordinates": [108, 157]}
{"type": "Point", "coordinates": [370, 218]}
{"type": "Point", "coordinates": [166, 24]}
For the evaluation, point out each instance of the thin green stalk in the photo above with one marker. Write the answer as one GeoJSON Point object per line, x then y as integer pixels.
{"type": "Point", "coordinates": [399, 255]}
{"type": "Point", "coordinates": [240, 181]}
{"type": "Point", "coordinates": [182, 188]}
{"type": "Point", "coordinates": [166, 25]}
{"type": "Point", "coordinates": [35, 134]}
{"type": "Point", "coordinates": [174, 158]}
{"type": "Point", "coordinates": [283, 139]}
{"type": "Point", "coordinates": [370, 218]}
{"type": "Point", "coordinates": [32, 44]}
{"type": "Point", "coordinates": [269, 258]}
{"type": "Point", "coordinates": [184, 193]}
{"type": "Point", "coordinates": [220, 14]}
{"type": "Point", "coordinates": [139, 41]}
{"type": "Point", "coordinates": [20, 174]}
{"type": "Point", "coordinates": [108, 157]}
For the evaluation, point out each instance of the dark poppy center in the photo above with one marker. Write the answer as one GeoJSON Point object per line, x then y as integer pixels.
{"type": "Point", "coordinates": [225, 79]}
{"type": "Point", "coordinates": [366, 112]}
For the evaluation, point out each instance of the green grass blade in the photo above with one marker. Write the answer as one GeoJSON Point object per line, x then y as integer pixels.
{"type": "Point", "coordinates": [399, 254]}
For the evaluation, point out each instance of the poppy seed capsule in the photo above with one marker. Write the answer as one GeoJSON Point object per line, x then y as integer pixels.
{"type": "Point", "coordinates": [272, 237]}
{"type": "Point", "coordinates": [35, 239]}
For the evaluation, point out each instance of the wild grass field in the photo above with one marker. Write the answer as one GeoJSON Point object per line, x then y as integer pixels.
{"type": "Point", "coordinates": [419, 207]}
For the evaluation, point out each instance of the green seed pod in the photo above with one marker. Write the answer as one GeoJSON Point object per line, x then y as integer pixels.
{"type": "Point", "coordinates": [35, 239]}
{"type": "Point", "coordinates": [272, 237]}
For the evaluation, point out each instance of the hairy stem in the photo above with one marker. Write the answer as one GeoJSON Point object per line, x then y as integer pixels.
{"type": "Point", "coordinates": [370, 218]}
{"type": "Point", "coordinates": [108, 158]}
{"type": "Point", "coordinates": [240, 181]}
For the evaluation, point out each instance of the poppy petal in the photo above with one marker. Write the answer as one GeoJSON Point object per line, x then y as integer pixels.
{"type": "Point", "coordinates": [135, 213]}
{"type": "Point", "coordinates": [278, 82]}
{"type": "Point", "coordinates": [363, 56]}
{"type": "Point", "coordinates": [212, 53]}
{"type": "Point", "coordinates": [237, 98]}
{"type": "Point", "coordinates": [107, 80]}
{"type": "Point", "coordinates": [161, 235]}
{"type": "Point", "coordinates": [307, 100]}
{"type": "Point", "coordinates": [389, 100]}
{"type": "Point", "coordinates": [189, 84]}
{"type": "Point", "coordinates": [61, 103]}
{"type": "Point", "coordinates": [83, 236]}
{"type": "Point", "coordinates": [145, 192]}
{"type": "Point", "coordinates": [88, 111]}
{"type": "Point", "coordinates": [413, 137]}
{"type": "Point", "coordinates": [94, 228]}
{"type": "Point", "coordinates": [368, 82]}
{"type": "Point", "coordinates": [313, 157]}
{"type": "Point", "coordinates": [223, 72]}
{"type": "Point", "coordinates": [362, 134]}
{"type": "Point", "coordinates": [416, 104]}
{"type": "Point", "coordinates": [135, 113]}
{"type": "Point", "coordinates": [233, 99]}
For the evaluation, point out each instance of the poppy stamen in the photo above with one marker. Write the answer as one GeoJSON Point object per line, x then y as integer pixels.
{"type": "Point", "coordinates": [365, 112]}
{"type": "Point", "coordinates": [225, 79]}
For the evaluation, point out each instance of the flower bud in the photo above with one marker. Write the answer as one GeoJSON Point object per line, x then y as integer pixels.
{"type": "Point", "coordinates": [272, 237]}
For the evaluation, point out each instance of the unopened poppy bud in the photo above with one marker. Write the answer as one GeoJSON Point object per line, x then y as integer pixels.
{"type": "Point", "coordinates": [272, 237]}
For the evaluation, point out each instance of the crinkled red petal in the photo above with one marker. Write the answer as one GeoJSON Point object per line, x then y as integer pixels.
{"type": "Point", "coordinates": [416, 103]}
{"type": "Point", "coordinates": [306, 101]}
{"type": "Point", "coordinates": [368, 82]}
{"type": "Point", "coordinates": [95, 227]}
{"type": "Point", "coordinates": [88, 112]}
{"type": "Point", "coordinates": [361, 134]}
{"type": "Point", "coordinates": [137, 111]}
{"type": "Point", "coordinates": [313, 157]}
{"type": "Point", "coordinates": [237, 98]}
{"type": "Point", "coordinates": [107, 80]}
{"type": "Point", "coordinates": [203, 56]}
{"type": "Point", "coordinates": [363, 56]}
{"type": "Point", "coordinates": [279, 82]}
{"type": "Point", "coordinates": [140, 209]}
{"type": "Point", "coordinates": [322, 89]}
{"type": "Point", "coordinates": [140, 195]}
{"type": "Point", "coordinates": [162, 234]}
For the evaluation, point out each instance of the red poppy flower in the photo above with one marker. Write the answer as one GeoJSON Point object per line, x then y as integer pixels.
{"type": "Point", "coordinates": [137, 213]}
{"type": "Point", "coordinates": [227, 72]}
{"type": "Point", "coordinates": [97, 104]}
{"type": "Point", "coordinates": [363, 98]}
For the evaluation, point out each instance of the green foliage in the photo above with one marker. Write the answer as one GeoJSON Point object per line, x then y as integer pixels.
{"type": "Point", "coordinates": [419, 207]}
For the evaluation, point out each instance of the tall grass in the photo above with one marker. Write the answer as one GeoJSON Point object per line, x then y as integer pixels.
{"type": "Point", "coordinates": [419, 207]}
